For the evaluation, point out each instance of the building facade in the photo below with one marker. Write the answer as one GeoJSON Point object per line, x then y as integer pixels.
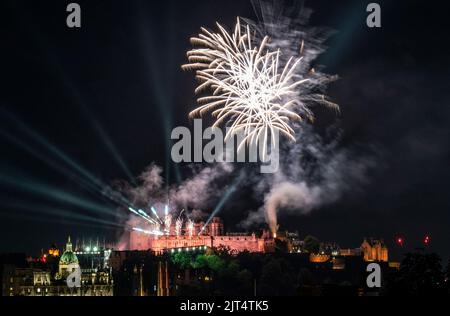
{"type": "Point", "coordinates": [41, 278]}
{"type": "Point", "coordinates": [211, 236]}
{"type": "Point", "coordinates": [374, 250]}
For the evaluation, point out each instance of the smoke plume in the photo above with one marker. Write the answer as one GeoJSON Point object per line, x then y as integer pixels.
{"type": "Point", "coordinates": [313, 173]}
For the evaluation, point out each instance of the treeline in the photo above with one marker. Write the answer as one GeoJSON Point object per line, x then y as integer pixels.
{"type": "Point", "coordinates": [217, 272]}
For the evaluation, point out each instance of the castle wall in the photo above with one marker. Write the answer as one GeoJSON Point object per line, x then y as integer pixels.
{"type": "Point", "coordinates": [139, 241]}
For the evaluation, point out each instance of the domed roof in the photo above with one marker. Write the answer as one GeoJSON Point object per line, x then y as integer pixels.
{"type": "Point", "coordinates": [68, 256]}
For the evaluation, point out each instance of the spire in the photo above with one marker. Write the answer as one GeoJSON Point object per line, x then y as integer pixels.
{"type": "Point", "coordinates": [69, 245]}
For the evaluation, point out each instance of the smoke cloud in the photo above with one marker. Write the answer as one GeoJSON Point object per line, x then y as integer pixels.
{"type": "Point", "coordinates": [201, 189]}
{"type": "Point", "coordinates": [195, 195]}
{"type": "Point", "coordinates": [313, 173]}
{"type": "Point", "coordinates": [290, 196]}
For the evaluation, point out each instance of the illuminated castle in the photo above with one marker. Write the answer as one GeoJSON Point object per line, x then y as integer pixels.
{"type": "Point", "coordinates": [374, 250]}
{"type": "Point", "coordinates": [201, 235]}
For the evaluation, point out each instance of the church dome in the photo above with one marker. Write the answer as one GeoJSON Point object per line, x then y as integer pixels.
{"type": "Point", "coordinates": [68, 257]}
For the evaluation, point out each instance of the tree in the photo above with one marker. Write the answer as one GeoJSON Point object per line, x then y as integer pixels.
{"type": "Point", "coordinates": [277, 278]}
{"type": "Point", "coordinates": [311, 244]}
{"type": "Point", "coordinates": [419, 274]}
{"type": "Point", "coordinates": [183, 260]}
{"type": "Point", "coordinates": [215, 263]}
{"type": "Point", "coordinates": [281, 246]}
{"type": "Point", "coordinates": [251, 261]}
{"type": "Point", "coordinates": [200, 262]}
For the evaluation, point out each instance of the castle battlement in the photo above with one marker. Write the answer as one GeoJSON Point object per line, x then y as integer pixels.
{"type": "Point", "coordinates": [212, 236]}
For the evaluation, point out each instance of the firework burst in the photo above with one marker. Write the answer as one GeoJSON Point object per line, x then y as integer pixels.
{"type": "Point", "coordinates": [250, 88]}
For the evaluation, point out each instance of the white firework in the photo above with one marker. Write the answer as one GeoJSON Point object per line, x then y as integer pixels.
{"type": "Point", "coordinates": [178, 226]}
{"type": "Point", "coordinates": [190, 228]}
{"type": "Point", "coordinates": [167, 223]}
{"type": "Point", "coordinates": [249, 88]}
{"type": "Point", "coordinates": [148, 232]}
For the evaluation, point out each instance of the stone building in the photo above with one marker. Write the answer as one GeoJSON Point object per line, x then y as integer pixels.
{"type": "Point", "coordinates": [211, 235]}
{"type": "Point", "coordinates": [374, 250]}
{"type": "Point", "coordinates": [43, 281]}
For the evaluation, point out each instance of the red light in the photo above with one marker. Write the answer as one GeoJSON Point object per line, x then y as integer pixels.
{"type": "Point", "coordinates": [426, 240]}
{"type": "Point", "coordinates": [400, 241]}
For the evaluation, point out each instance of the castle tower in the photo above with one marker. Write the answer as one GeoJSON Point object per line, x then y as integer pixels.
{"type": "Point", "coordinates": [374, 250]}
{"type": "Point", "coordinates": [216, 227]}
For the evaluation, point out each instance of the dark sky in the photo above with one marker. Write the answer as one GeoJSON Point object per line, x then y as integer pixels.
{"type": "Point", "coordinates": [117, 83]}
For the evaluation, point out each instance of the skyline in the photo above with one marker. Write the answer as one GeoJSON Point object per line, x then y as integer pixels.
{"type": "Point", "coordinates": [107, 96]}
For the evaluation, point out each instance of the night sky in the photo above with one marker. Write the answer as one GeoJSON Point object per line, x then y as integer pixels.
{"type": "Point", "coordinates": [114, 88]}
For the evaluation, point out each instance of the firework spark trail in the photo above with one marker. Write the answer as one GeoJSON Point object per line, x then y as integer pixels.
{"type": "Point", "coordinates": [190, 228]}
{"type": "Point", "coordinates": [147, 217]}
{"type": "Point", "coordinates": [178, 226]}
{"type": "Point", "coordinates": [160, 224]}
{"type": "Point", "coordinates": [166, 210]}
{"type": "Point", "coordinates": [250, 85]}
{"type": "Point", "coordinates": [142, 214]}
{"type": "Point", "coordinates": [167, 223]}
{"type": "Point", "coordinates": [153, 209]}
